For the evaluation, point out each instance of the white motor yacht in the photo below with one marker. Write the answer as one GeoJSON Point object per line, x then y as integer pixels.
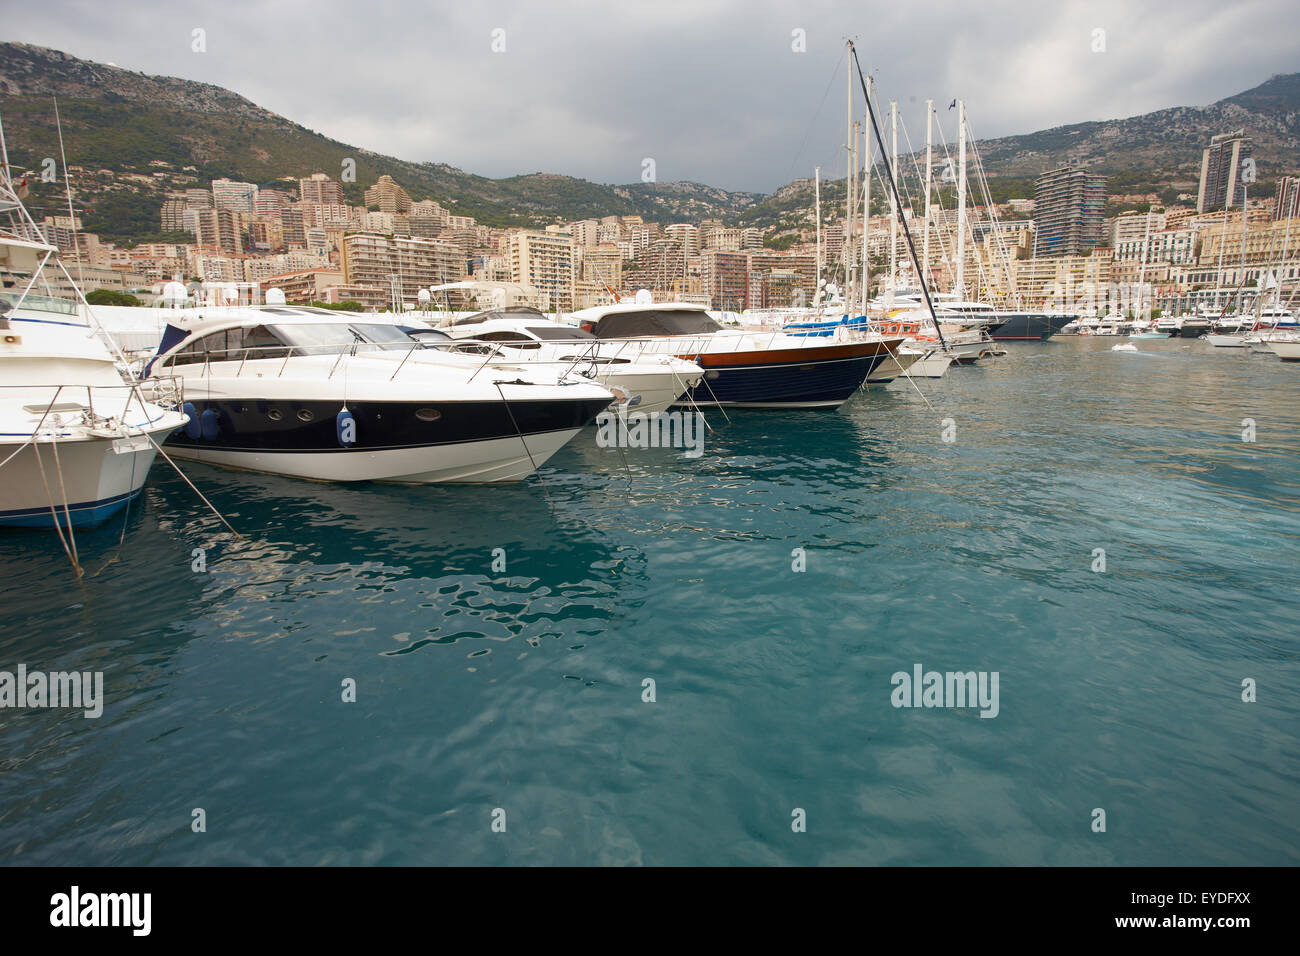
{"type": "Point", "coordinates": [649, 382]}
{"type": "Point", "coordinates": [337, 397]}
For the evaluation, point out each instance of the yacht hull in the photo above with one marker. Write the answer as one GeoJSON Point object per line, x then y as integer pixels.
{"type": "Point", "coordinates": [98, 477]}
{"type": "Point", "coordinates": [1029, 326]}
{"type": "Point", "coordinates": [467, 442]}
{"type": "Point", "coordinates": [824, 377]}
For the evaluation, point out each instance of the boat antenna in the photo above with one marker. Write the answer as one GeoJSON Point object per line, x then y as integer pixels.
{"type": "Point", "coordinates": [67, 185]}
{"type": "Point", "coordinates": [893, 186]}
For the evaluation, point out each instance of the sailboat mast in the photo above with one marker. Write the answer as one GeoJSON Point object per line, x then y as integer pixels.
{"type": "Point", "coordinates": [1241, 282]}
{"type": "Point", "coordinates": [960, 285]}
{"type": "Point", "coordinates": [929, 162]}
{"type": "Point", "coordinates": [1223, 244]}
{"type": "Point", "coordinates": [817, 217]}
{"type": "Point", "coordinates": [850, 185]}
{"type": "Point", "coordinates": [1142, 269]}
{"type": "Point", "coordinates": [866, 216]}
{"type": "Point", "coordinates": [893, 201]}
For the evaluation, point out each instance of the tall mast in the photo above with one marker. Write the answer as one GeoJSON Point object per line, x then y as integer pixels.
{"type": "Point", "coordinates": [817, 216]}
{"type": "Point", "coordinates": [1223, 244]}
{"type": "Point", "coordinates": [893, 202]}
{"type": "Point", "coordinates": [866, 216]}
{"type": "Point", "coordinates": [929, 152]}
{"type": "Point", "coordinates": [850, 184]}
{"type": "Point", "coordinates": [1241, 282]}
{"type": "Point", "coordinates": [1142, 269]}
{"type": "Point", "coordinates": [960, 285]}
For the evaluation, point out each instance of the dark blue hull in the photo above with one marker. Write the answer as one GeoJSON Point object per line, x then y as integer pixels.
{"type": "Point", "coordinates": [823, 383]}
{"type": "Point", "coordinates": [1029, 326]}
{"type": "Point", "coordinates": [84, 514]}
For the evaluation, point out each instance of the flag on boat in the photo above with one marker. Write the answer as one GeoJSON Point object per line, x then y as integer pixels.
{"type": "Point", "coordinates": [22, 188]}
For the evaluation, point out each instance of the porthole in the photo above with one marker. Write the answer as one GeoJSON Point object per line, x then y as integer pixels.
{"type": "Point", "coordinates": [711, 375]}
{"type": "Point", "coordinates": [274, 415]}
{"type": "Point", "coordinates": [305, 414]}
{"type": "Point", "coordinates": [428, 414]}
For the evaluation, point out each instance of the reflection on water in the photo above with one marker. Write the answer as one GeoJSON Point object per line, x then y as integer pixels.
{"type": "Point", "coordinates": [500, 640]}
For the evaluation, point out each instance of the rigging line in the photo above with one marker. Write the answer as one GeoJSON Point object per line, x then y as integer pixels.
{"type": "Point", "coordinates": [884, 158]}
{"type": "Point", "coordinates": [54, 515]}
{"type": "Point", "coordinates": [994, 221]}
{"type": "Point", "coordinates": [908, 375]}
{"type": "Point", "coordinates": [789, 176]}
{"type": "Point", "coordinates": [63, 490]}
{"type": "Point", "coordinates": [167, 458]}
{"type": "Point", "coordinates": [126, 516]}
{"type": "Point", "coordinates": [523, 441]}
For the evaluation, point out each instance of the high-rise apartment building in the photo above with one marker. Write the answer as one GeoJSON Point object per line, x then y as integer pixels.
{"type": "Point", "coordinates": [237, 196]}
{"type": "Point", "coordinates": [543, 260]}
{"type": "Point", "coordinates": [409, 263]}
{"type": "Point", "coordinates": [1221, 182]}
{"type": "Point", "coordinates": [320, 188]}
{"type": "Point", "coordinates": [1068, 207]}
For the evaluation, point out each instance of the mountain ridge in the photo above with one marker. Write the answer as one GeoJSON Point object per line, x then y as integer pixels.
{"type": "Point", "coordinates": [125, 122]}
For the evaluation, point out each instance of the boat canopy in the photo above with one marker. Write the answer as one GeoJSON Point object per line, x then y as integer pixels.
{"type": "Point", "coordinates": [652, 322]}
{"type": "Point", "coordinates": [513, 312]}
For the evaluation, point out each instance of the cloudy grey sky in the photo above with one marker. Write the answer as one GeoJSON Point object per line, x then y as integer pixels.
{"type": "Point", "coordinates": [711, 89]}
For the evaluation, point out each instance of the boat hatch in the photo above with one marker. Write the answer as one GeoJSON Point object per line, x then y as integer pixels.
{"type": "Point", "coordinates": [56, 407]}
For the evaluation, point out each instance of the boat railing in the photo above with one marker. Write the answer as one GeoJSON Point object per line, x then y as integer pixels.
{"type": "Point", "coordinates": [167, 393]}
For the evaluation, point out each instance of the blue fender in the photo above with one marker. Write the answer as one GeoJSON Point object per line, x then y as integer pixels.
{"type": "Point", "coordinates": [210, 424]}
{"type": "Point", "coordinates": [192, 428]}
{"type": "Point", "coordinates": [345, 426]}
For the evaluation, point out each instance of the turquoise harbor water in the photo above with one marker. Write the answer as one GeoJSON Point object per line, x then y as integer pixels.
{"type": "Point", "coordinates": [522, 690]}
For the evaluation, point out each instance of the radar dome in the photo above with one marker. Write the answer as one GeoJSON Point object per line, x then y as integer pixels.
{"type": "Point", "coordinates": [174, 295]}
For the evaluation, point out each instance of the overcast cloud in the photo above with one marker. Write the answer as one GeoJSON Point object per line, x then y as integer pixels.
{"type": "Point", "coordinates": [711, 90]}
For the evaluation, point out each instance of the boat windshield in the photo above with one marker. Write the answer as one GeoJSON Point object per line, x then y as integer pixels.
{"type": "Point", "coordinates": [328, 338]}
{"type": "Point", "coordinates": [38, 303]}
{"type": "Point", "coordinates": [652, 322]}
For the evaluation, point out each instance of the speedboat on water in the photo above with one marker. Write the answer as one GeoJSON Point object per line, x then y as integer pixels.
{"type": "Point", "coordinates": [1226, 340]}
{"type": "Point", "coordinates": [651, 382]}
{"type": "Point", "coordinates": [745, 368]}
{"type": "Point", "coordinates": [77, 438]}
{"type": "Point", "coordinates": [317, 394]}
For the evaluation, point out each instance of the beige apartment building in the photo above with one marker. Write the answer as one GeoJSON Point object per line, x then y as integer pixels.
{"type": "Point", "coordinates": [402, 264]}
{"type": "Point", "coordinates": [319, 188]}
{"type": "Point", "coordinates": [543, 260]}
{"type": "Point", "coordinates": [306, 286]}
{"type": "Point", "coordinates": [386, 196]}
{"type": "Point", "coordinates": [602, 264]}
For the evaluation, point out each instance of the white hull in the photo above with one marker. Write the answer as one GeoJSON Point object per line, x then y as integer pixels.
{"type": "Point", "coordinates": [932, 366]}
{"type": "Point", "coordinates": [1286, 351]}
{"type": "Point", "coordinates": [478, 462]}
{"type": "Point", "coordinates": [656, 390]}
{"type": "Point", "coordinates": [1221, 341]}
{"type": "Point", "coordinates": [901, 362]}
{"type": "Point", "coordinates": [91, 476]}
